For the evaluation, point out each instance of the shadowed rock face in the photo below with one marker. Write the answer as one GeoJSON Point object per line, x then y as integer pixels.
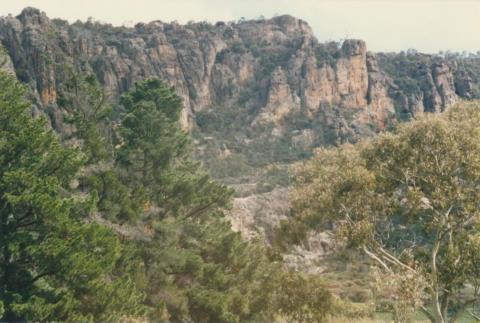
{"type": "Point", "coordinates": [273, 67]}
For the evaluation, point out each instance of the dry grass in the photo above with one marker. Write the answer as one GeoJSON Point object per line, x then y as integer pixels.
{"type": "Point", "coordinates": [351, 320]}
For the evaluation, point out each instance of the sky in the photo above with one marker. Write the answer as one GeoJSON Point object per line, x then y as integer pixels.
{"type": "Point", "coordinates": [386, 25]}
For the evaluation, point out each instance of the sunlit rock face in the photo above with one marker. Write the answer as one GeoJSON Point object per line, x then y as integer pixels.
{"type": "Point", "coordinates": [271, 66]}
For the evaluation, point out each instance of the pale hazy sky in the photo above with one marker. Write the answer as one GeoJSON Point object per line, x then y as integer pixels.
{"type": "Point", "coordinates": [386, 25]}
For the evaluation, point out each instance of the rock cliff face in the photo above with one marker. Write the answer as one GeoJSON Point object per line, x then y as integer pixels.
{"type": "Point", "coordinates": [426, 83]}
{"type": "Point", "coordinates": [273, 67]}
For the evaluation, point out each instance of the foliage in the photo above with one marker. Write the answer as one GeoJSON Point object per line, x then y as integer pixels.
{"type": "Point", "coordinates": [251, 148]}
{"type": "Point", "coordinates": [271, 58]}
{"type": "Point", "coordinates": [86, 108]}
{"type": "Point", "coordinates": [273, 176]}
{"type": "Point", "coordinates": [403, 68]}
{"type": "Point", "coordinates": [209, 274]}
{"type": "Point", "coordinates": [401, 292]}
{"type": "Point", "coordinates": [192, 267]}
{"type": "Point", "coordinates": [60, 259]}
{"type": "Point", "coordinates": [327, 53]}
{"type": "Point", "coordinates": [154, 154]}
{"type": "Point", "coordinates": [408, 200]}
{"type": "Point", "coordinates": [471, 66]}
{"type": "Point", "coordinates": [53, 264]}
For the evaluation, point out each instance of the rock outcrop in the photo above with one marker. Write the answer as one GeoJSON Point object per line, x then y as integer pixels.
{"type": "Point", "coordinates": [272, 66]}
{"type": "Point", "coordinates": [280, 99]}
{"type": "Point", "coordinates": [421, 83]}
{"type": "Point", "coordinates": [258, 215]}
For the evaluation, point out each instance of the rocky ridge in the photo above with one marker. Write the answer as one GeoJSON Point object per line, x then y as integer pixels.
{"type": "Point", "coordinates": [275, 67]}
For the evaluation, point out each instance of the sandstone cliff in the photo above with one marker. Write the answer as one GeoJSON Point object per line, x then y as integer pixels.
{"type": "Point", "coordinates": [273, 67]}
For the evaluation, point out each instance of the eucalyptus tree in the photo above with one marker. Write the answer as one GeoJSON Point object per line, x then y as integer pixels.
{"type": "Point", "coordinates": [410, 201]}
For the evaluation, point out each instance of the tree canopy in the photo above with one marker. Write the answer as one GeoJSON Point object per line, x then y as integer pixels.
{"type": "Point", "coordinates": [53, 264]}
{"type": "Point", "coordinates": [409, 201]}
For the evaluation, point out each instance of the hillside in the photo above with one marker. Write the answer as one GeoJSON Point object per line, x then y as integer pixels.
{"type": "Point", "coordinates": [139, 113]}
{"type": "Point", "coordinates": [255, 93]}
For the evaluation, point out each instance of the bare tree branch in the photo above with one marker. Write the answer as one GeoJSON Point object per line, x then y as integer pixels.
{"type": "Point", "coordinates": [377, 259]}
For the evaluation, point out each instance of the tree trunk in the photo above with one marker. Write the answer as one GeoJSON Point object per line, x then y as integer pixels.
{"type": "Point", "coordinates": [445, 304]}
{"type": "Point", "coordinates": [437, 310]}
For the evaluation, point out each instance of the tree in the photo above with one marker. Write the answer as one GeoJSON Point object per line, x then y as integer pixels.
{"type": "Point", "coordinates": [409, 200]}
{"type": "Point", "coordinates": [53, 265]}
{"type": "Point", "coordinates": [86, 108]}
{"type": "Point", "coordinates": [207, 273]}
{"type": "Point", "coordinates": [154, 155]}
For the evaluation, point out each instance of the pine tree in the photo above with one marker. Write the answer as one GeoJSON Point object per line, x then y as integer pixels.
{"type": "Point", "coordinates": [53, 265]}
{"type": "Point", "coordinates": [155, 155]}
{"type": "Point", "coordinates": [86, 108]}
